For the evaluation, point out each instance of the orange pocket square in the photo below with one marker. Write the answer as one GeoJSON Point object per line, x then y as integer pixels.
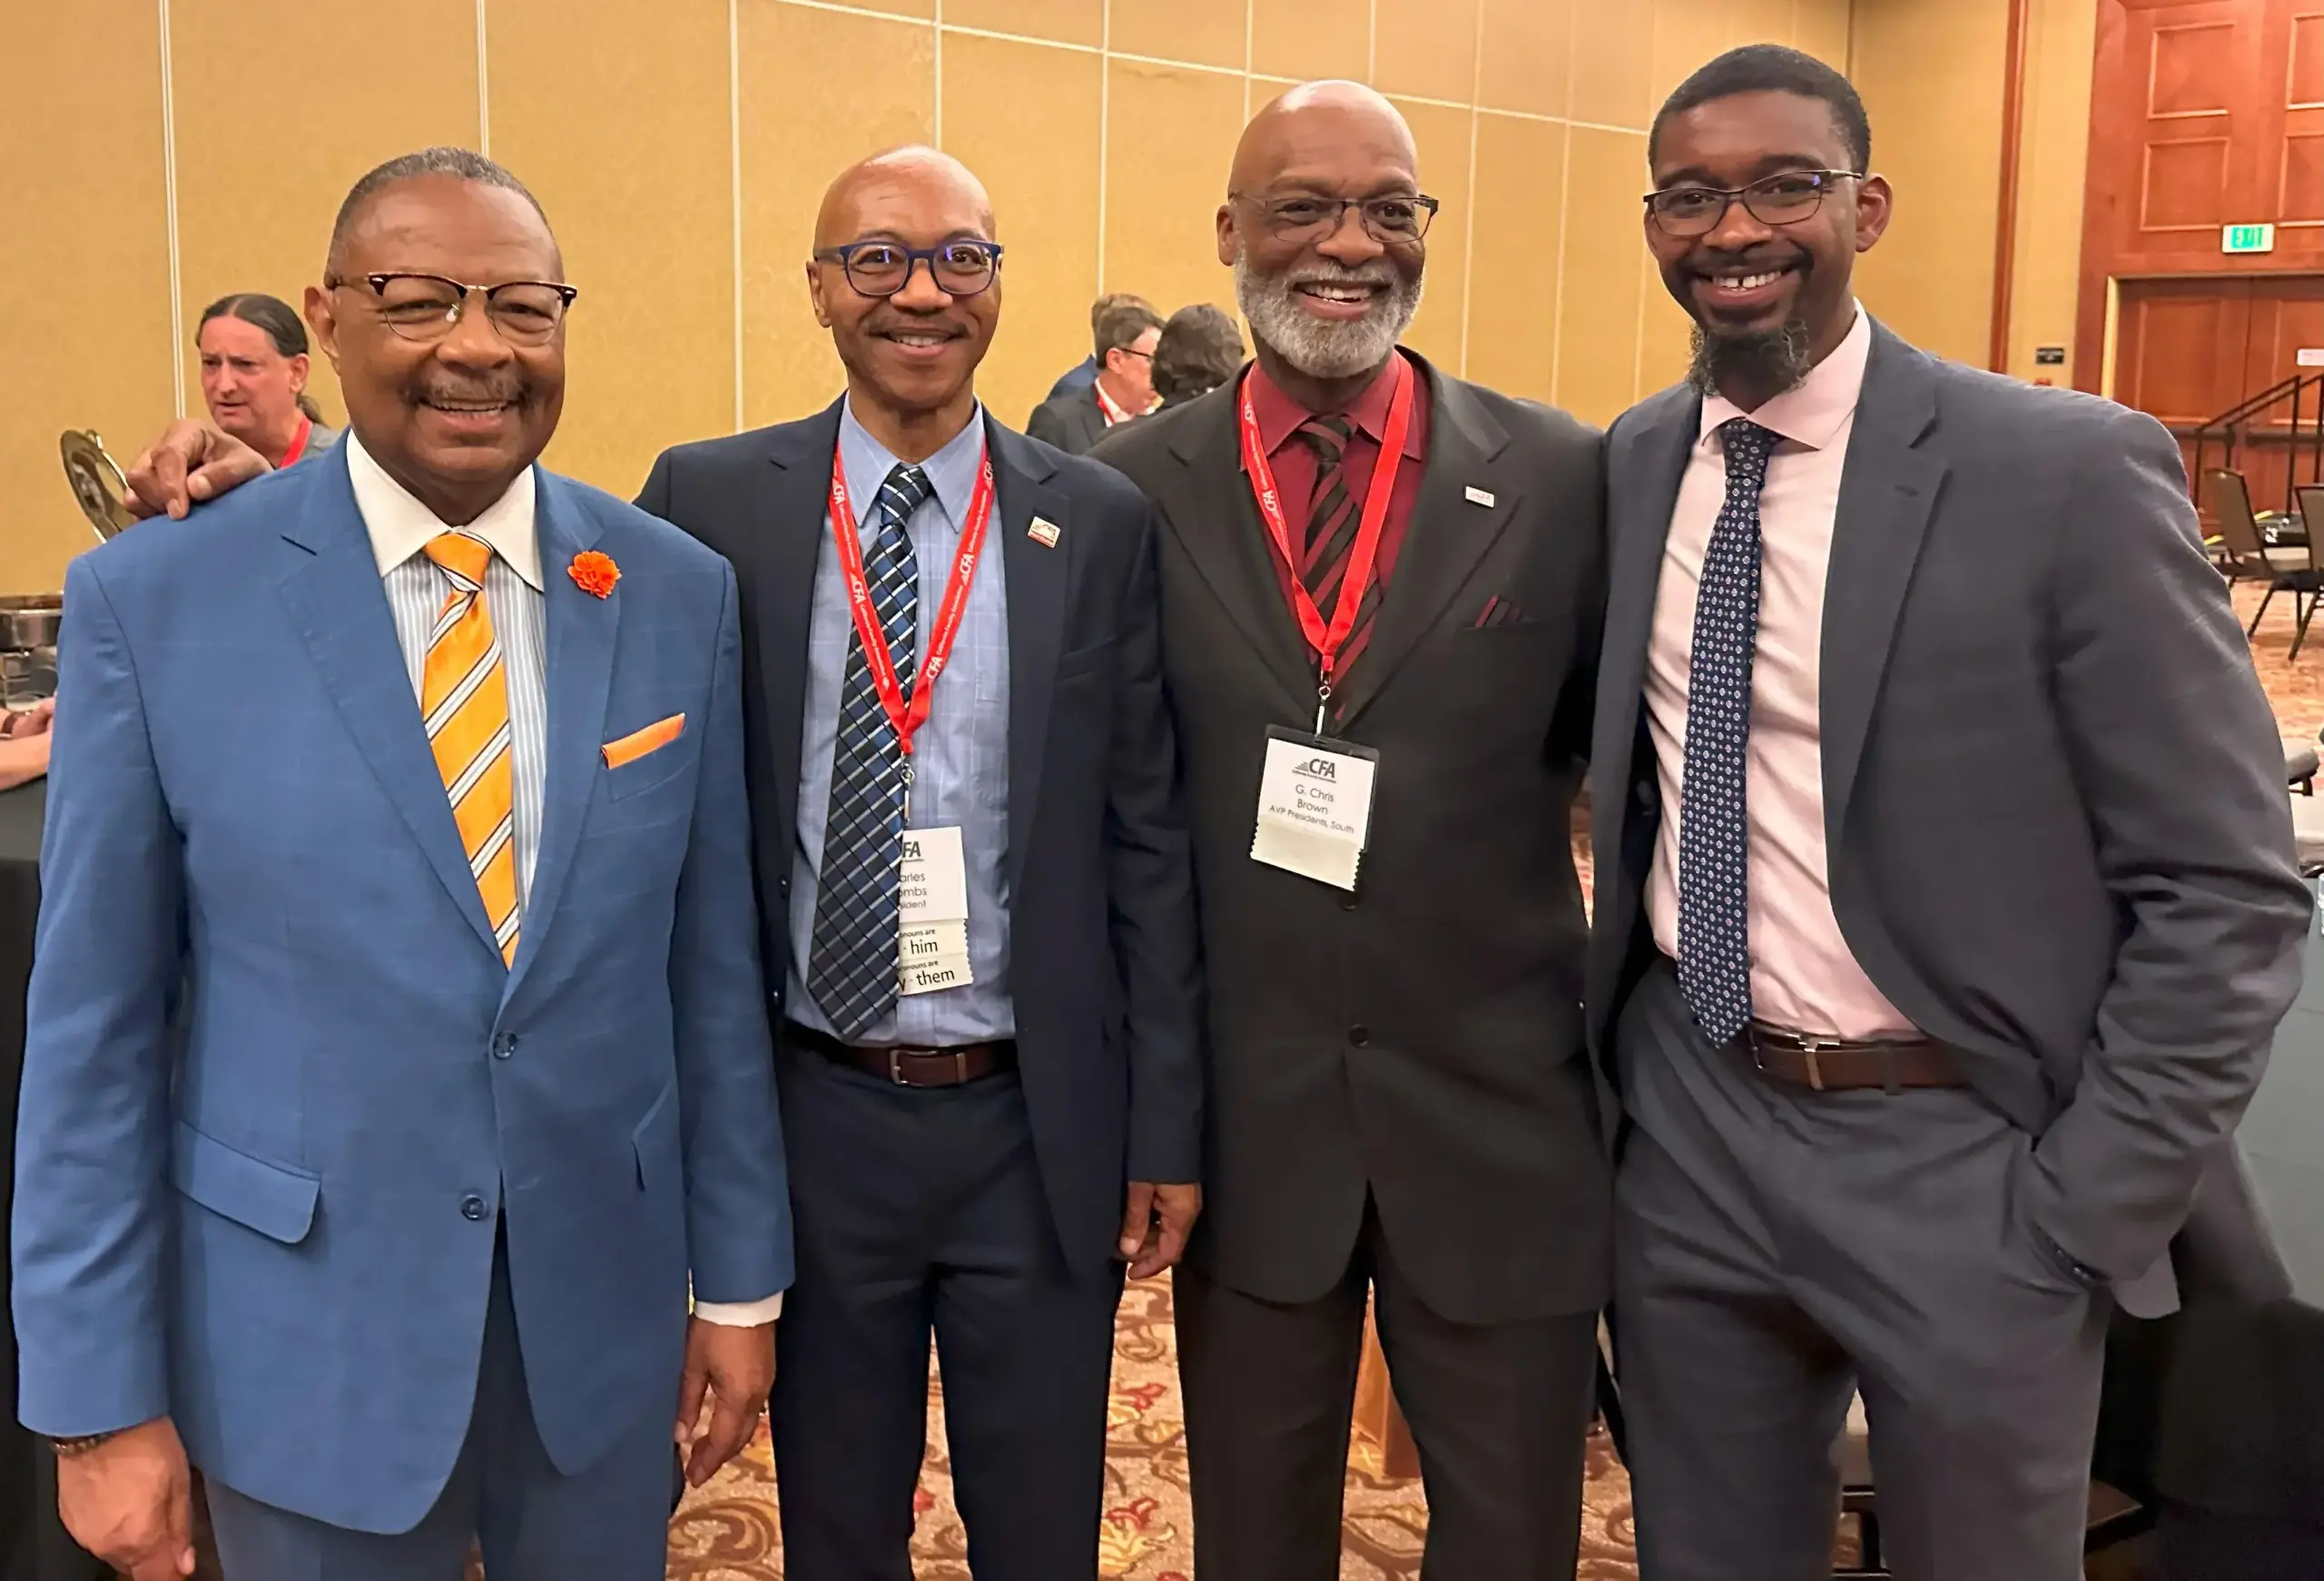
{"type": "Point", "coordinates": [637, 743]}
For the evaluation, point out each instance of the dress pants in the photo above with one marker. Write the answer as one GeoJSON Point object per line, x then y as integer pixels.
{"type": "Point", "coordinates": [1499, 1412]}
{"type": "Point", "coordinates": [607, 1523]}
{"type": "Point", "coordinates": [1777, 1248]}
{"type": "Point", "coordinates": [921, 1210]}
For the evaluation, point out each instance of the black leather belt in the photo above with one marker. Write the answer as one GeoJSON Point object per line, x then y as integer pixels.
{"type": "Point", "coordinates": [908, 1066]}
{"type": "Point", "coordinates": [1839, 1064]}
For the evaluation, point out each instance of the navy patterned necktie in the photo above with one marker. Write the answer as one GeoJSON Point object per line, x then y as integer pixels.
{"type": "Point", "coordinates": [1714, 825]}
{"type": "Point", "coordinates": [851, 964]}
{"type": "Point", "coordinates": [1333, 517]}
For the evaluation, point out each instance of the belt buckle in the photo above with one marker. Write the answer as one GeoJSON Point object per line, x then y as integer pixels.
{"type": "Point", "coordinates": [1810, 1047]}
{"type": "Point", "coordinates": [896, 1066]}
{"type": "Point", "coordinates": [961, 1067]}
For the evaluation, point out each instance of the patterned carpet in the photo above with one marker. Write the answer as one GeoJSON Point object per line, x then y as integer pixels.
{"type": "Point", "coordinates": [728, 1530]}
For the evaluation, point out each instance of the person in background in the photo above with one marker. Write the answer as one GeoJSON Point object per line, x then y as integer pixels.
{"type": "Point", "coordinates": [1200, 349]}
{"type": "Point", "coordinates": [254, 378]}
{"type": "Point", "coordinates": [1945, 897]}
{"type": "Point", "coordinates": [24, 744]}
{"type": "Point", "coordinates": [1084, 373]}
{"type": "Point", "coordinates": [1126, 335]}
{"type": "Point", "coordinates": [1401, 1106]}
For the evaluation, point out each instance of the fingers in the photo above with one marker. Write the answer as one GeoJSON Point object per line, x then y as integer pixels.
{"type": "Point", "coordinates": [179, 1543]}
{"type": "Point", "coordinates": [157, 482]}
{"type": "Point", "coordinates": [692, 1387]}
{"type": "Point", "coordinates": [731, 1422]}
{"type": "Point", "coordinates": [223, 473]}
{"type": "Point", "coordinates": [1137, 1215]}
{"type": "Point", "coordinates": [1149, 1260]}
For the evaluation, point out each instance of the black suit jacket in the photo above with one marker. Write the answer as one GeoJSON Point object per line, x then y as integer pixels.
{"type": "Point", "coordinates": [1420, 1040]}
{"type": "Point", "coordinates": [1101, 911]}
{"type": "Point", "coordinates": [1072, 422]}
{"type": "Point", "coordinates": [2053, 801]}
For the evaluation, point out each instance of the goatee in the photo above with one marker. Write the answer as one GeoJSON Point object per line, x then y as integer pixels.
{"type": "Point", "coordinates": [1764, 362]}
{"type": "Point", "coordinates": [1316, 348]}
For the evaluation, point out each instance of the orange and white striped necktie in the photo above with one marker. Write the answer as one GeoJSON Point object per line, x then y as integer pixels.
{"type": "Point", "coordinates": [464, 697]}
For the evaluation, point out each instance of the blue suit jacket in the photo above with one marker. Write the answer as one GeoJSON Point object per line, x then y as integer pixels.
{"type": "Point", "coordinates": [278, 1086]}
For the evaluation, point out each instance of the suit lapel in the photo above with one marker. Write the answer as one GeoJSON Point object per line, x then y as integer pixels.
{"type": "Point", "coordinates": [1038, 584]}
{"type": "Point", "coordinates": [1886, 494]}
{"type": "Point", "coordinates": [1216, 523]}
{"type": "Point", "coordinates": [582, 629]}
{"type": "Point", "coordinates": [336, 602]}
{"type": "Point", "coordinates": [793, 514]}
{"type": "Point", "coordinates": [1449, 534]}
{"type": "Point", "coordinates": [1641, 496]}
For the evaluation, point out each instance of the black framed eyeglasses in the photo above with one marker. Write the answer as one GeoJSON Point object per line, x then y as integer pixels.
{"type": "Point", "coordinates": [425, 307]}
{"type": "Point", "coordinates": [1392, 220]}
{"type": "Point", "coordinates": [1786, 198]}
{"type": "Point", "coordinates": [882, 268]}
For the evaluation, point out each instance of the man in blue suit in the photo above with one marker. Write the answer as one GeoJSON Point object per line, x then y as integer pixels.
{"type": "Point", "coordinates": [398, 991]}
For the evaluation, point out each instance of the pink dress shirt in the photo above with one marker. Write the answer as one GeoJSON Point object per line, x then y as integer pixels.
{"type": "Point", "coordinates": [1803, 976]}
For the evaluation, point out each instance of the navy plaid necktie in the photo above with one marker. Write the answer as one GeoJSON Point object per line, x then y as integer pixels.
{"type": "Point", "coordinates": [1714, 826]}
{"type": "Point", "coordinates": [851, 966]}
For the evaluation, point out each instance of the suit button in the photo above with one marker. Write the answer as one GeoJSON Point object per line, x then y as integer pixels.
{"type": "Point", "coordinates": [504, 1046]}
{"type": "Point", "coordinates": [1645, 794]}
{"type": "Point", "coordinates": [472, 1208]}
{"type": "Point", "coordinates": [1359, 1036]}
{"type": "Point", "coordinates": [1347, 901]}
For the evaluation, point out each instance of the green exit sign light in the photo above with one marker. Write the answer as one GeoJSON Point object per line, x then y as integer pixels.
{"type": "Point", "coordinates": [2247, 238]}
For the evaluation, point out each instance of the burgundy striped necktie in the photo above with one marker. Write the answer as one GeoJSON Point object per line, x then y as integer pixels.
{"type": "Point", "coordinates": [1332, 521]}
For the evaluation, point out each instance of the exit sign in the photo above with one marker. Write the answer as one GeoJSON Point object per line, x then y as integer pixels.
{"type": "Point", "coordinates": [2247, 238]}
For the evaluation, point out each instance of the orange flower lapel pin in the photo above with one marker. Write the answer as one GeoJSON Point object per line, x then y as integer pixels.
{"type": "Point", "coordinates": [594, 573]}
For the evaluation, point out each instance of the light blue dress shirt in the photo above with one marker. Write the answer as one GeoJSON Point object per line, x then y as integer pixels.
{"type": "Point", "coordinates": [959, 757]}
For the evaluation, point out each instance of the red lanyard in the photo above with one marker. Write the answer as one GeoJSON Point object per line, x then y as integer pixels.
{"type": "Point", "coordinates": [908, 716]}
{"type": "Point", "coordinates": [1328, 639]}
{"type": "Point", "coordinates": [298, 443]}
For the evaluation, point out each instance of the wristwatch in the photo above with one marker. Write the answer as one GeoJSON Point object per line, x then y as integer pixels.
{"type": "Point", "coordinates": [72, 1449]}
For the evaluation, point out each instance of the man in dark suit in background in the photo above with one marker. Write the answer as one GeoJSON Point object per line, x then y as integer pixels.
{"type": "Point", "coordinates": [1946, 896]}
{"type": "Point", "coordinates": [1126, 336]}
{"type": "Point", "coordinates": [1400, 1103]}
{"type": "Point", "coordinates": [1084, 373]}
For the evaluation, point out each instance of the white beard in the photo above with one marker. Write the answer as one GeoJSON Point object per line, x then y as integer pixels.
{"type": "Point", "coordinates": [1316, 348]}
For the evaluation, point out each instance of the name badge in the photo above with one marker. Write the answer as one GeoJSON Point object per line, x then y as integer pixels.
{"type": "Point", "coordinates": [1314, 807]}
{"type": "Point", "coordinates": [932, 907]}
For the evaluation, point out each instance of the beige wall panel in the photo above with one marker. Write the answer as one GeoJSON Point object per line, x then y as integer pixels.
{"type": "Point", "coordinates": [2055, 152]}
{"type": "Point", "coordinates": [1665, 336]}
{"type": "Point", "coordinates": [83, 259]}
{"type": "Point", "coordinates": [1527, 60]}
{"type": "Point", "coordinates": [800, 129]}
{"type": "Point", "coordinates": [1427, 48]}
{"type": "Point", "coordinates": [1025, 119]}
{"type": "Point", "coordinates": [1931, 77]}
{"type": "Point", "coordinates": [1600, 295]}
{"type": "Point", "coordinates": [1208, 32]}
{"type": "Point", "coordinates": [1686, 34]}
{"type": "Point", "coordinates": [1442, 135]}
{"type": "Point", "coordinates": [1309, 39]}
{"type": "Point", "coordinates": [1613, 52]}
{"type": "Point", "coordinates": [255, 208]}
{"type": "Point", "coordinates": [1763, 21]}
{"type": "Point", "coordinates": [1066, 21]}
{"type": "Point", "coordinates": [1513, 261]}
{"type": "Point", "coordinates": [921, 10]}
{"type": "Point", "coordinates": [1166, 156]}
{"type": "Point", "coordinates": [1821, 28]}
{"type": "Point", "coordinates": [615, 114]}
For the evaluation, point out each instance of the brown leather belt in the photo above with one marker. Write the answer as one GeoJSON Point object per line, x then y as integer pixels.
{"type": "Point", "coordinates": [1837, 1063]}
{"type": "Point", "coordinates": [907, 1067]}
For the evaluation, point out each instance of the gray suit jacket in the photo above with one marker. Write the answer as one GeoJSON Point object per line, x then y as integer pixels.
{"type": "Point", "coordinates": [2053, 806]}
{"type": "Point", "coordinates": [1070, 422]}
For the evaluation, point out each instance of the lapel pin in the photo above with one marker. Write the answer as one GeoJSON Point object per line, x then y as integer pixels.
{"type": "Point", "coordinates": [1483, 496]}
{"type": "Point", "coordinates": [1043, 532]}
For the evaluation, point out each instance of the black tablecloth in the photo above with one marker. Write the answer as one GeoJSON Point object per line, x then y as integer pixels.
{"type": "Point", "coordinates": [32, 1545]}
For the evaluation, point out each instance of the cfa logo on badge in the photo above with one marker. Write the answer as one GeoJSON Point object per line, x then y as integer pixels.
{"type": "Point", "coordinates": [1318, 769]}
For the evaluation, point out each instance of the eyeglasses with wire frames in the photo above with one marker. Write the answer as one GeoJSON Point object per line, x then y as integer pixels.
{"type": "Point", "coordinates": [425, 307]}
{"type": "Point", "coordinates": [1786, 198]}
{"type": "Point", "coordinates": [883, 269]}
{"type": "Point", "coordinates": [1392, 220]}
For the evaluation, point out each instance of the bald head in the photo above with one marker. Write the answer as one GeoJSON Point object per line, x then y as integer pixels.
{"type": "Point", "coordinates": [922, 186]}
{"type": "Point", "coordinates": [1319, 123]}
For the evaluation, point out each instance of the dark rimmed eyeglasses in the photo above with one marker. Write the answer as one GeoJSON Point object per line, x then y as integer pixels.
{"type": "Point", "coordinates": [1786, 198]}
{"type": "Point", "coordinates": [1392, 220]}
{"type": "Point", "coordinates": [882, 268]}
{"type": "Point", "coordinates": [425, 307]}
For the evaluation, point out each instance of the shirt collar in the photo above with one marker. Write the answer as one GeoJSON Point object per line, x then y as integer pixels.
{"type": "Point", "coordinates": [952, 471]}
{"type": "Point", "coordinates": [1813, 412]}
{"type": "Point", "coordinates": [1112, 408]}
{"type": "Point", "coordinates": [401, 526]}
{"type": "Point", "coordinates": [1280, 416]}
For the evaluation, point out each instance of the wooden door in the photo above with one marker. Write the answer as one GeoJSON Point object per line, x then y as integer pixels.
{"type": "Point", "coordinates": [2190, 348]}
{"type": "Point", "coordinates": [2204, 113]}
